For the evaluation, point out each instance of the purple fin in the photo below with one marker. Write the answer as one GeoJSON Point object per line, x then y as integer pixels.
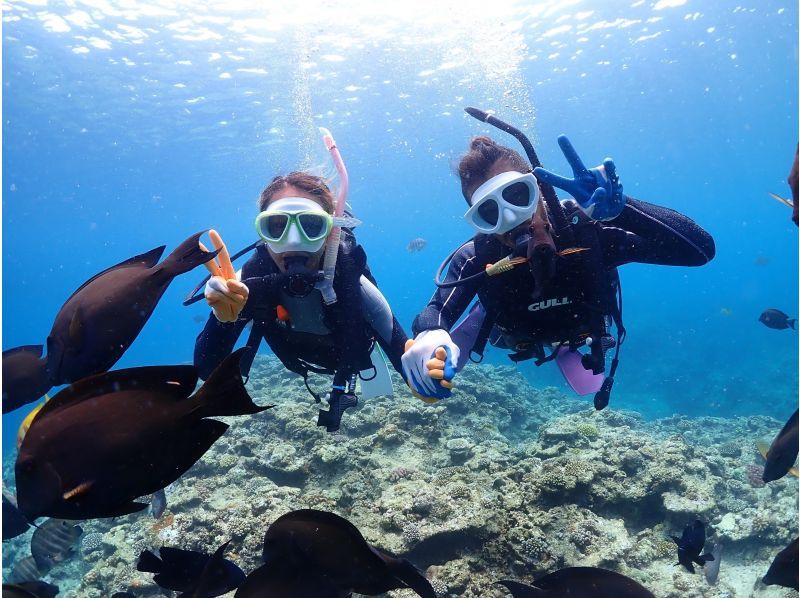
{"type": "Point", "coordinates": [581, 380]}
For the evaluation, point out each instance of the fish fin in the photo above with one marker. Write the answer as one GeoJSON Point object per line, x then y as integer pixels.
{"type": "Point", "coordinates": [144, 260]}
{"type": "Point", "coordinates": [26, 379]}
{"type": "Point", "coordinates": [783, 200]}
{"type": "Point", "coordinates": [792, 323]}
{"type": "Point", "coordinates": [149, 562]}
{"type": "Point", "coordinates": [572, 250]}
{"type": "Point", "coordinates": [224, 392]}
{"type": "Point", "coordinates": [187, 256]}
{"type": "Point", "coordinates": [78, 490]}
{"type": "Point", "coordinates": [519, 589]}
{"type": "Point", "coordinates": [177, 381]}
{"type": "Point", "coordinates": [410, 577]}
{"type": "Point", "coordinates": [190, 444]}
{"type": "Point", "coordinates": [762, 448]}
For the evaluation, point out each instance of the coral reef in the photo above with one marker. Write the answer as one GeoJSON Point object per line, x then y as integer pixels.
{"type": "Point", "coordinates": [500, 480]}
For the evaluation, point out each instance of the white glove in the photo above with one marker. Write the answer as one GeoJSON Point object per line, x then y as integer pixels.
{"type": "Point", "coordinates": [416, 361]}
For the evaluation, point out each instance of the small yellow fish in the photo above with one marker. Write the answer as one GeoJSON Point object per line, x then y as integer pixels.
{"type": "Point", "coordinates": [726, 311]}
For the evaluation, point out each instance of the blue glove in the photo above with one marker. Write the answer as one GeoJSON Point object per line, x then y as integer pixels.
{"type": "Point", "coordinates": [597, 190]}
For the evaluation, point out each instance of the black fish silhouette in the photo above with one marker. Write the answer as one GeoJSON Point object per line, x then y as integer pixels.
{"type": "Point", "coordinates": [777, 320]}
{"type": "Point", "coordinates": [317, 553]}
{"type": "Point", "coordinates": [579, 582]}
{"type": "Point", "coordinates": [108, 439]}
{"type": "Point", "coordinates": [782, 452]}
{"type": "Point", "coordinates": [784, 568]}
{"type": "Point", "coordinates": [14, 522]}
{"type": "Point", "coordinates": [97, 324]}
{"type": "Point", "coordinates": [195, 573]}
{"type": "Point", "coordinates": [29, 589]}
{"type": "Point", "coordinates": [690, 545]}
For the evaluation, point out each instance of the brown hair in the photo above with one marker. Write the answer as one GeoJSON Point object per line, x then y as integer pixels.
{"type": "Point", "coordinates": [311, 184]}
{"type": "Point", "coordinates": [483, 152]}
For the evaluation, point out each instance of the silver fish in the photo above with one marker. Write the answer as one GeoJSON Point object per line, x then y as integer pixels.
{"type": "Point", "coordinates": [53, 541]}
{"type": "Point", "coordinates": [711, 568]}
{"type": "Point", "coordinates": [417, 244]}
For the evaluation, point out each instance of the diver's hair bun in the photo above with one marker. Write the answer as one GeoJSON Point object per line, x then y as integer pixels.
{"type": "Point", "coordinates": [480, 142]}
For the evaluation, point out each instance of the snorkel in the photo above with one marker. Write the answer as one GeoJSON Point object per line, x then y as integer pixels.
{"type": "Point", "coordinates": [332, 246]}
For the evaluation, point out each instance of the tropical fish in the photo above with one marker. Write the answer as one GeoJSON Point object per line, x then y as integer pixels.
{"type": "Point", "coordinates": [417, 244]}
{"type": "Point", "coordinates": [784, 568]}
{"type": "Point", "coordinates": [777, 320]}
{"type": "Point", "coordinates": [97, 324]}
{"type": "Point", "coordinates": [579, 582]}
{"type": "Point", "coordinates": [761, 260]}
{"type": "Point", "coordinates": [29, 589]}
{"type": "Point", "coordinates": [158, 503]}
{"type": "Point", "coordinates": [25, 570]}
{"type": "Point", "coordinates": [195, 573]}
{"type": "Point", "coordinates": [14, 522]}
{"type": "Point", "coordinates": [108, 439]}
{"type": "Point", "coordinates": [317, 553]}
{"type": "Point", "coordinates": [690, 545]}
{"type": "Point", "coordinates": [711, 568]}
{"type": "Point", "coordinates": [53, 541]}
{"type": "Point", "coordinates": [782, 453]}
{"type": "Point", "coordinates": [726, 312]}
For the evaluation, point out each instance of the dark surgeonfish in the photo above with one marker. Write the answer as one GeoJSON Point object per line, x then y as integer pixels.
{"type": "Point", "coordinates": [14, 522]}
{"type": "Point", "coordinates": [30, 589]}
{"type": "Point", "coordinates": [782, 453]}
{"type": "Point", "coordinates": [690, 545]}
{"type": "Point", "coordinates": [108, 439]}
{"type": "Point", "coordinates": [25, 570]}
{"type": "Point", "coordinates": [158, 503]}
{"type": "Point", "coordinates": [195, 573]}
{"type": "Point", "coordinates": [579, 582]}
{"type": "Point", "coordinates": [777, 320]}
{"type": "Point", "coordinates": [317, 553]}
{"type": "Point", "coordinates": [711, 568]}
{"type": "Point", "coordinates": [53, 541]}
{"type": "Point", "coordinates": [784, 568]}
{"type": "Point", "coordinates": [97, 323]}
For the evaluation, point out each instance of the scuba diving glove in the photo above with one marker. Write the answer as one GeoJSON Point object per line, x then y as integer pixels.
{"type": "Point", "coordinates": [226, 297]}
{"type": "Point", "coordinates": [429, 364]}
{"type": "Point", "coordinates": [598, 191]}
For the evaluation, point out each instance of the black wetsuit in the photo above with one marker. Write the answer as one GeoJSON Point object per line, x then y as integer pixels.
{"type": "Point", "coordinates": [343, 338]}
{"type": "Point", "coordinates": [642, 233]}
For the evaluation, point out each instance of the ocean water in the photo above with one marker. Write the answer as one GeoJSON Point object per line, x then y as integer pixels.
{"type": "Point", "coordinates": [128, 125]}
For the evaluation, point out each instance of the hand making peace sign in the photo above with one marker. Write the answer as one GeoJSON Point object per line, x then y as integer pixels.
{"type": "Point", "coordinates": [224, 293]}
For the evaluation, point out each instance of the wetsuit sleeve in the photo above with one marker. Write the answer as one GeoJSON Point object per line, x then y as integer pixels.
{"type": "Point", "coordinates": [447, 305]}
{"type": "Point", "coordinates": [394, 346]}
{"type": "Point", "coordinates": [215, 343]}
{"type": "Point", "coordinates": [649, 234]}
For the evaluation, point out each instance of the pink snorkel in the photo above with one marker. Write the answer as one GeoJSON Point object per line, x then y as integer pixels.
{"type": "Point", "coordinates": [332, 246]}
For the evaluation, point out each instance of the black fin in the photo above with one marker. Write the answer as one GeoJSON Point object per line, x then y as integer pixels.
{"type": "Point", "coordinates": [520, 590]}
{"type": "Point", "coordinates": [224, 392]}
{"type": "Point", "coordinates": [187, 256]}
{"type": "Point", "coordinates": [403, 570]}
{"type": "Point", "coordinates": [149, 562]}
{"type": "Point", "coordinates": [144, 260]}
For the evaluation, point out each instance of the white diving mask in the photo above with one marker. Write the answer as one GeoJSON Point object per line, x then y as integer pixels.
{"type": "Point", "coordinates": [503, 202]}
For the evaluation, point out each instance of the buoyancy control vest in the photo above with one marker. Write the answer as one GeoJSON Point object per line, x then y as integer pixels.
{"type": "Point", "coordinates": [342, 353]}
{"type": "Point", "coordinates": [578, 303]}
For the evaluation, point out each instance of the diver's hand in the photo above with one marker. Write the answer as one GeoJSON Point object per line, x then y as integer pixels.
{"type": "Point", "coordinates": [429, 364]}
{"type": "Point", "coordinates": [224, 293]}
{"type": "Point", "coordinates": [226, 297]}
{"type": "Point", "coordinates": [597, 190]}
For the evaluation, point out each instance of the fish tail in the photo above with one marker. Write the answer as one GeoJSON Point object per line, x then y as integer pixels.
{"type": "Point", "coordinates": [149, 562]}
{"type": "Point", "coordinates": [187, 256]}
{"type": "Point", "coordinates": [407, 573]}
{"type": "Point", "coordinates": [792, 323]}
{"type": "Point", "coordinates": [224, 392]}
{"type": "Point", "coordinates": [28, 380]}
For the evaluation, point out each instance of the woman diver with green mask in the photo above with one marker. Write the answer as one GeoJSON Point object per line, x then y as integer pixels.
{"type": "Point", "coordinates": [308, 292]}
{"type": "Point", "coordinates": [544, 270]}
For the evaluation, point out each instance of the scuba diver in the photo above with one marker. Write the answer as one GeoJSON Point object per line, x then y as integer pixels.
{"type": "Point", "coordinates": [544, 270]}
{"type": "Point", "coordinates": [308, 292]}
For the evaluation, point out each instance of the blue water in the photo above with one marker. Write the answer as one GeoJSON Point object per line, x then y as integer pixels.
{"type": "Point", "coordinates": [128, 127]}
